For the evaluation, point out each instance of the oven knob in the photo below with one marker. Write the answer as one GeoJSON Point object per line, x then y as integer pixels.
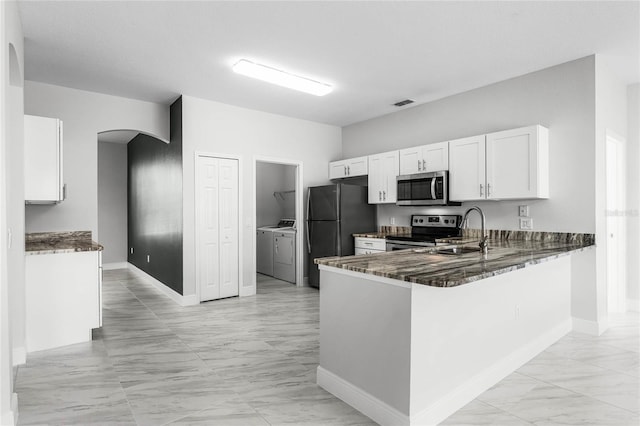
{"type": "Point", "coordinates": [446, 221]}
{"type": "Point", "coordinates": [421, 220]}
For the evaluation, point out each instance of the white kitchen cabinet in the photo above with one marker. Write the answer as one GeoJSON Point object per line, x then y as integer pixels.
{"type": "Point", "coordinates": [383, 170]}
{"type": "Point", "coordinates": [518, 163]}
{"type": "Point", "coordinates": [43, 163]}
{"type": "Point", "coordinates": [426, 158]}
{"type": "Point", "coordinates": [467, 169]}
{"type": "Point", "coordinates": [508, 165]}
{"type": "Point", "coordinates": [351, 167]}
{"type": "Point", "coordinates": [63, 300]}
{"type": "Point", "coordinates": [364, 245]}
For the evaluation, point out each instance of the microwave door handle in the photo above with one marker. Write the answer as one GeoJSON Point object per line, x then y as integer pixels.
{"type": "Point", "coordinates": [433, 188]}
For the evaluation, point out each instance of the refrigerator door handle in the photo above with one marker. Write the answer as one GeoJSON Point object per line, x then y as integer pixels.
{"type": "Point", "coordinates": [308, 220]}
{"type": "Point", "coordinates": [338, 242]}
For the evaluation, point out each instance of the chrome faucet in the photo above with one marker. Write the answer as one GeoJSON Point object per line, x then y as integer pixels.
{"type": "Point", "coordinates": [484, 247]}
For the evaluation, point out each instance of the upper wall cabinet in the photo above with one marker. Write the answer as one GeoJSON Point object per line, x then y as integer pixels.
{"type": "Point", "coordinates": [507, 165]}
{"type": "Point", "coordinates": [427, 158]}
{"type": "Point", "coordinates": [43, 160]}
{"type": "Point", "coordinates": [467, 169]}
{"type": "Point", "coordinates": [518, 163]}
{"type": "Point", "coordinates": [351, 167]}
{"type": "Point", "coordinates": [383, 170]}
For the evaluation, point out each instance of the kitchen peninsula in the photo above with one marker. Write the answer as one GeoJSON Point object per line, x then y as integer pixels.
{"type": "Point", "coordinates": [63, 286]}
{"type": "Point", "coordinates": [409, 337]}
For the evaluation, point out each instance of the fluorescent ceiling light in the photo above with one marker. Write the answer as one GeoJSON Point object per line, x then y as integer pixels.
{"type": "Point", "coordinates": [281, 78]}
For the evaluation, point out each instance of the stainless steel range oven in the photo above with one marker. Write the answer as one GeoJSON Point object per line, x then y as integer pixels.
{"type": "Point", "coordinates": [425, 230]}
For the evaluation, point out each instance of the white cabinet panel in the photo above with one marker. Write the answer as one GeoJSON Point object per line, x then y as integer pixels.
{"type": "Point", "coordinates": [411, 160]}
{"type": "Point", "coordinates": [436, 157]}
{"type": "Point", "coordinates": [517, 164]}
{"type": "Point", "coordinates": [365, 245]}
{"type": "Point", "coordinates": [383, 170]}
{"type": "Point", "coordinates": [43, 160]}
{"type": "Point", "coordinates": [62, 298]}
{"type": "Point", "coordinates": [351, 167]}
{"type": "Point", "coordinates": [426, 158]}
{"type": "Point", "coordinates": [467, 169]}
{"type": "Point", "coordinates": [508, 165]}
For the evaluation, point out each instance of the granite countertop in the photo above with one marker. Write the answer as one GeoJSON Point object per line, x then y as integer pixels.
{"type": "Point", "coordinates": [426, 266]}
{"type": "Point", "coordinates": [385, 231]}
{"type": "Point", "coordinates": [60, 242]}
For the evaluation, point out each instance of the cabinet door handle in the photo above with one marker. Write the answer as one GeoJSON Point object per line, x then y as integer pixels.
{"type": "Point", "coordinates": [384, 195]}
{"type": "Point", "coordinates": [419, 165]}
{"type": "Point", "coordinates": [481, 190]}
{"type": "Point", "coordinates": [379, 195]}
{"type": "Point", "coordinates": [368, 244]}
{"type": "Point", "coordinates": [349, 170]}
{"type": "Point", "coordinates": [424, 166]}
{"type": "Point", "coordinates": [345, 170]}
{"type": "Point", "coordinates": [488, 189]}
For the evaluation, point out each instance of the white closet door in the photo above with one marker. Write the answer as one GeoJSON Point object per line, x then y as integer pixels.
{"type": "Point", "coordinates": [228, 185]}
{"type": "Point", "coordinates": [217, 227]}
{"type": "Point", "coordinates": [208, 250]}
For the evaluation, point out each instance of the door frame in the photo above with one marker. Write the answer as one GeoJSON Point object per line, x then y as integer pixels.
{"type": "Point", "coordinates": [299, 213]}
{"type": "Point", "coordinates": [196, 216]}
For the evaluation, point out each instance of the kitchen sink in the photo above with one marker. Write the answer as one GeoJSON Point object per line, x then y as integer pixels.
{"type": "Point", "coordinates": [458, 250]}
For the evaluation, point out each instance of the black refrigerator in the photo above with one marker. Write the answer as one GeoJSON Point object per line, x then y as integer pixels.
{"type": "Point", "coordinates": [334, 213]}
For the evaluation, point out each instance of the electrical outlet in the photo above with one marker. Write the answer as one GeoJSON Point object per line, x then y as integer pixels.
{"type": "Point", "coordinates": [392, 220]}
{"type": "Point", "coordinates": [523, 211]}
{"type": "Point", "coordinates": [526, 223]}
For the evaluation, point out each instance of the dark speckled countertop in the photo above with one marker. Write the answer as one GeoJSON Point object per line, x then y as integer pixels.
{"type": "Point", "coordinates": [426, 266]}
{"type": "Point", "coordinates": [60, 242]}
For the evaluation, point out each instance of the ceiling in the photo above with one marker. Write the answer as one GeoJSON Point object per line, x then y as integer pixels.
{"type": "Point", "coordinates": [373, 53]}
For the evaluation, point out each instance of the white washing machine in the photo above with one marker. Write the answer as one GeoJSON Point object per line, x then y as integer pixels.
{"type": "Point", "coordinates": [265, 245]}
{"type": "Point", "coordinates": [284, 255]}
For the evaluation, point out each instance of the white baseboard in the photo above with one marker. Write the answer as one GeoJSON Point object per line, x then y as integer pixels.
{"type": "Point", "coordinates": [633, 305]}
{"type": "Point", "coordinates": [19, 356]}
{"type": "Point", "coordinates": [188, 300]}
{"type": "Point", "coordinates": [115, 265]}
{"type": "Point", "coordinates": [593, 328]}
{"type": "Point", "coordinates": [384, 414]}
{"type": "Point", "coordinates": [472, 388]}
{"type": "Point", "coordinates": [362, 401]}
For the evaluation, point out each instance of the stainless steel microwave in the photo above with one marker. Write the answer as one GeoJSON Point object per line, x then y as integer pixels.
{"type": "Point", "coordinates": [424, 189]}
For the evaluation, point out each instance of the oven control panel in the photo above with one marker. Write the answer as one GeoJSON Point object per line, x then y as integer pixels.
{"type": "Point", "coordinates": [440, 221]}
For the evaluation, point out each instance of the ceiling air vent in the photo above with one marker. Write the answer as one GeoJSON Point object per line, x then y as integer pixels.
{"type": "Point", "coordinates": [403, 103]}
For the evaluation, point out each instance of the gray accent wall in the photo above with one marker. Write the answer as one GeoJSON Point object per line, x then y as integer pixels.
{"type": "Point", "coordinates": [155, 203]}
{"type": "Point", "coordinates": [112, 201]}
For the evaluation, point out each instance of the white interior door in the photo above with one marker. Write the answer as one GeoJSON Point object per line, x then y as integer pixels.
{"type": "Point", "coordinates": [616, 230]}
{"type": "Point", "coordinates": [228, 207]}
{"type": "Point", "coordinates": [217, 227]}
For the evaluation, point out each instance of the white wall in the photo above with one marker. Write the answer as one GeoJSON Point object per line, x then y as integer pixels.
{"type": "Point", "coordinates": [84, 115]}
{"type": "Point", "coordinates": [561, 98]}
{"type": "Point", "coordinates": [11, 205]}
{"type": "Point", "coordinates": [633, 195]}
{"type": "Point", "coordinates": [112, 201]}
{"type": "Point", "coordinates": [219, 128]}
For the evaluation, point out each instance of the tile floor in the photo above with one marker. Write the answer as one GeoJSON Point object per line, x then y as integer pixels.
{"type": "Point", "coordinates": [251, 361]}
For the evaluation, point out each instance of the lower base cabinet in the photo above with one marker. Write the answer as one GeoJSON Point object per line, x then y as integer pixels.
{"type": "Point", "coordinates": [63, 298]}
{"type": "Point", "coordinates": [364, 245]}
